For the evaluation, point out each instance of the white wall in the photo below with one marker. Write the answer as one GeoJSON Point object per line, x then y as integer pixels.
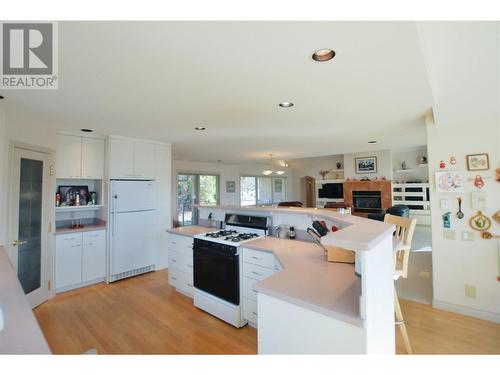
{"type": "Point", "coordinates": [466, 93]}
{"type": "Point", "coordinates": [384, 164]}
{"type": "Point", "coordinates": [312, 166]}
{"type": "Point", "coordinates": [227, 172]}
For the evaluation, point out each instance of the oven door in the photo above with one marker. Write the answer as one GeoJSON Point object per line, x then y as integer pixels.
{"type": "Point", "coordinates": [216, 270]}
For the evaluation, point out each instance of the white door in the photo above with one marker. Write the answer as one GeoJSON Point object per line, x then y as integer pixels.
{"type": "Point", "coordinates": [92, 158]}
{"type": "Point", "coordinates": [133, 195]}
{"type": "Point", "coordinates": [121, 158]}
{"type": "Point", "coordinates": [30, 218]}
{"type": "Point", "coordinates": [145, 165]}
{"type": "Point", "coordinates": [68, 156]}
{"type": "Point", "coordinates": [133, 240]}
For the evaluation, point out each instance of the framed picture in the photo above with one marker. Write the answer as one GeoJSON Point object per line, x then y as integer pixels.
{"type": "Point", "coordinates": [478, 162]}
{"type": "Point", "coordinates": [278, 186]}
{"type": "Point", "coordinates": [449, 182]}
{"type": "Point", "coordinates": [366, 164]}
{"type": "Point", "coordinates": [230, 186]}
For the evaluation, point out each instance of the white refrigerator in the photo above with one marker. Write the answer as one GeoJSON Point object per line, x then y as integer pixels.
{"type": "Point", "coordinates": [133, 222]}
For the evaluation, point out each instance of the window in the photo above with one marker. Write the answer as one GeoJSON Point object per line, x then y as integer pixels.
{"type": "Point", "coordinates": [262, 190]}
{"type": "Point", "coordinates": [194, 189]}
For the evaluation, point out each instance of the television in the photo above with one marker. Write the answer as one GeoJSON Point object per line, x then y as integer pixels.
{"type": "Point", "coordinates": [331, 190]}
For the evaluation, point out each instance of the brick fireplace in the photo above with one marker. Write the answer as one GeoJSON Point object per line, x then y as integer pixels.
{"type": "Point", "coordinates": [368, 196]}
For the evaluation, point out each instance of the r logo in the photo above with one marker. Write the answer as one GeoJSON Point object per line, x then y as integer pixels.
{"type": "Point", "coordinates": [27, 49]}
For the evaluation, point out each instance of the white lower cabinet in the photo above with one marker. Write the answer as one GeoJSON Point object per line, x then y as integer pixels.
{"type": "Point", "coordinates": [80, 259]}
{"type": "Point", "coordinates": [180, 263]}
{"type": "Point", "coordinates": [257, 265]}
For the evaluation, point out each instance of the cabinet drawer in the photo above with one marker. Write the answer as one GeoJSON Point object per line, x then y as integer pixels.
{"type": "Point", "coordinates": [250, 310]}
{"type": "Point", "coordinates": [259, 258]}
{"type": "Point", "coordinates": [185, 284]}
{"type": "Point", "coordinates": [181, 244]}
{"type": "Point", "coordinates": [248, 291]}
{"type": "Point", "coordinates": [256, 272]}
{"type": "Point", "coordinates": [174, 260]}
{"type": "Point", "coordinates": [174, 276]}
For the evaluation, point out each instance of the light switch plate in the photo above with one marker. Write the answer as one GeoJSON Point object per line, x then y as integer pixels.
{"type": "Point", "coordinates": [467, 235]}
{"type": "Point", "coordinates": [444, 204]}
{"type": "Point", "coordinates": [470, 291]}
{"type": "Point", "coordinates": [449, 234]}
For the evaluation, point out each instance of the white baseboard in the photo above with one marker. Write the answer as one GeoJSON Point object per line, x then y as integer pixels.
{"type": "Point", "coordinates": [464, 310]}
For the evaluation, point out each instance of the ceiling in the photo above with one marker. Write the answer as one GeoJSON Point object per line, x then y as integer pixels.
{"type": "Point", "coordinates": [159, 80]}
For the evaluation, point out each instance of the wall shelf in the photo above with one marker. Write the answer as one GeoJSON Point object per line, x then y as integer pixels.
{"type": "Point", "coordinates": [403, 170]}
{"type": "Point", "coordinates": [79, 208]}
{"type": "Point", "coordinates": [423, 165]}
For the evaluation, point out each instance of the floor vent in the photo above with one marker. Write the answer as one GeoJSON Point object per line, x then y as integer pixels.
{"type": "Point", "coordinates": [135, 272]}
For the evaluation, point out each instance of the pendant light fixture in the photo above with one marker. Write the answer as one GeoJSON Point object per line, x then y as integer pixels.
{"type": "Point", "coordinates": [271, 169]}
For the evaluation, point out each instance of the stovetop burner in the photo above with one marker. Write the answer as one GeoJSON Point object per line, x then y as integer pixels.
{"type": "Point", "coordinates": [222, 233]}
{"type": "Point", "coordinates": [231, 235]}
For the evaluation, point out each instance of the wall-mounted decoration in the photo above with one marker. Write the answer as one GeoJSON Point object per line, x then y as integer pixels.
{"type": "Point", "coordinates": [479, 181]}
{"type": "Point", "coordinates": [74, 195]}
{"type": "Point", "coordinates": [366, 164]}
{"type": "Point", "coordinates": [478, 200]}
{"type": "Point", "coordinates": [477, 162]}
{"type": "Point", "coordinates": [453, 160]}
{"type": "Point", "coordinates": [447, 220]}
{"type": "Point", "coordinates": [496, 217]}
{"type": "Point", "coordinates": [230, 186]}
{"type": "Point", "coordinates": [497, 172]}
{"type": "Point", "coordinates": [460, 214]}
{"type": "Point", "coordinates": [449, 182]}
{"type": "Point", "coordinates": [480, 222]}
{"type": "Point", "coordinates": [339, 165]}
{"type": "Point", "coordinates": [278, 186]}
{"type": "Point", "coordinates": [422, 159]}
{"type": "Point", "coordinates": [488, 236]}
{"type": "Point", "coordinates": [323, 173]}
{"type": "Point", "coordinates": [403, 165]}
{"type": "Point", "coordinates": [442, 164]}
{"type": "Point", "coordinates": [443, 203]}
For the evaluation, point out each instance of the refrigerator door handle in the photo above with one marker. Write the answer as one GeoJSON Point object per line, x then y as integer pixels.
{"type": "Point", "coordinates": [113, 221]}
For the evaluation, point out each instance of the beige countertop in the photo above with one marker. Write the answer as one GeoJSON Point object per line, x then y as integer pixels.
{"type": "Point", "coordinates": [309, 281]}
{"type": "Point", "coordinates": [86, 228]}
{"type": "Point", "coordinates": [21, 333]}
{"type": "Point", "coordinates": [191, 230]}
{"type": "Point", "coordinates": [356, 233]}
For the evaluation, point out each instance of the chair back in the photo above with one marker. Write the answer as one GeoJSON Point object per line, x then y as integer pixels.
{"type": "Point", "coordinates": [290, 204]}
{"type": "Point", "coordinates": [405, 227]}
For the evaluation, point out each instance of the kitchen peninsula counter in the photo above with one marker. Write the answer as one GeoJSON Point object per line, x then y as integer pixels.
{"type": "Point", "coordinates": [191, 230]}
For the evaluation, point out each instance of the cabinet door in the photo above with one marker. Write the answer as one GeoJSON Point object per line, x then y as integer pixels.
{"type": "Point", "coordinates": [94, 255]}
{"type": "Point", "coordinates": [92, 158]}
{"type": "Point", "coordinates": [121, 158]}
{"type": "Point", "coordinates": [68, 156]}
{"type": "Point", "coordinates": [68, 259]}
{"type": "Point", "coordinates": [145, 163]}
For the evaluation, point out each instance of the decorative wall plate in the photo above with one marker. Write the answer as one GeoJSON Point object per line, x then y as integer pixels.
{"type": "Point", "coordinates": [496, 216]}
{"type": "Point", "coordinates": [480, 222]}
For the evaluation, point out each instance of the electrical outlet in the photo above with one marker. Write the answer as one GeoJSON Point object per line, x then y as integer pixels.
{"type": "Point", "coordinates": [467, 235]}
{"type": "Point", "coordinates": [470, 291]}
{"type": "Point", "coordinates": [425, 274]}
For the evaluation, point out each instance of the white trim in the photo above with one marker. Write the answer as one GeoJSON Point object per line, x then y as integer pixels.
{"type": "Point", "coordinates": [464, 310]}
{"type": "Point", "coordinates": [118, 137]}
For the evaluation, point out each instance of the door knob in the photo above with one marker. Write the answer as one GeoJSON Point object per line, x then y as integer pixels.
{"type": "Point", "coordinates": [18, 242]}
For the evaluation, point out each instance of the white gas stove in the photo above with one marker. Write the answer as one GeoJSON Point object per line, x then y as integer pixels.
{"type": "Point", "coordinates": [217, 266]}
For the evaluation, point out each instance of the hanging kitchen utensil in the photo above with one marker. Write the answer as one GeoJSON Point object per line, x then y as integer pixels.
{"type": "Point", "coordinates": [488, 235]}
{"type": "Point", "coordinates": [496, 217]}
{"type": "Point", "coordinates": [320, 228]}
{"type": "Point", "coordinates": [479, 181]}
{"type": "Point", "coordinates": [480, 222]}
{"type": "Point", "coordinates": [460, 214]}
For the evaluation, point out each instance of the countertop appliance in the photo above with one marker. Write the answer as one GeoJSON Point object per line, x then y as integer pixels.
{"type": "Point", "coordinates": [133, 221]}
{"type": "Point", "coordinates": [217, 266]}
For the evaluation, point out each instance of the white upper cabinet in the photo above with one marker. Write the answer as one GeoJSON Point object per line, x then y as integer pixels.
{"type": "Point", "coordinates": [145, 165]}
{"type": "Point", "coordinates": [129, 158]}
{"type": "Point", "coordinates": [68, 156]}
{"type": "Point", "coordinates": [92, 158]}
{"type": "Point", "coordinates": [121, 158]}
{"type": "Point", "coordinates": [79, 157]}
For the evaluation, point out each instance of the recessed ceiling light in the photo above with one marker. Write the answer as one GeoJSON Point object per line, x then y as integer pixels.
{"type": "Point", "coordinates": [286, 104]}
{"type": "Point", "coordinates": [1, 97]}
{"type": "Point", "coordinates": [200, 128]}
{"type": "Point", "coordinates": [372, 142]}
{"type": "Point", "coordinates": [87, 130]}
{"type": "Point", "coordinates": [323, 55]}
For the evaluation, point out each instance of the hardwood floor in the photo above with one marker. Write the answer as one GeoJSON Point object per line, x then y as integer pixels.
{"type": "Point", "coordinates": [143, 315]}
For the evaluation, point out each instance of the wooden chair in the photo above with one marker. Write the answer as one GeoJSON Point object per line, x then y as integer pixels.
{"type": "Point", "coordinates": [405, 228]}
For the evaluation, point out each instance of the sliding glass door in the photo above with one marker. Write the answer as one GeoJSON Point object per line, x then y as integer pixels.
{"type": "Point", "coordinates": [255, 190]}
{"type": "Point", "coordinates": [195, 189]}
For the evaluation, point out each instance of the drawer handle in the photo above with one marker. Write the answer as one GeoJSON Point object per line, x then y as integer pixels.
{"type": "Point", "coordinates": [173, 260]}
{"type": "Point", "coordinates": [256, 258]}
{"type": "Point", "coordinates": [75, 246]}
{"type": "Point", "coordinates": [253, 312]}
{"type": "Point", "coordinates": [173, 243]}
{"type": "Point", "coordinates": [88, 244]}
{"type": "Point", "coordinates": [190, 285]}
{"type": "Point", "coordinates": [256, 273]}
{"type": "Point", "coordinates": [190, 265]}
{"type": "Point", "coordinates": [174, 278]}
